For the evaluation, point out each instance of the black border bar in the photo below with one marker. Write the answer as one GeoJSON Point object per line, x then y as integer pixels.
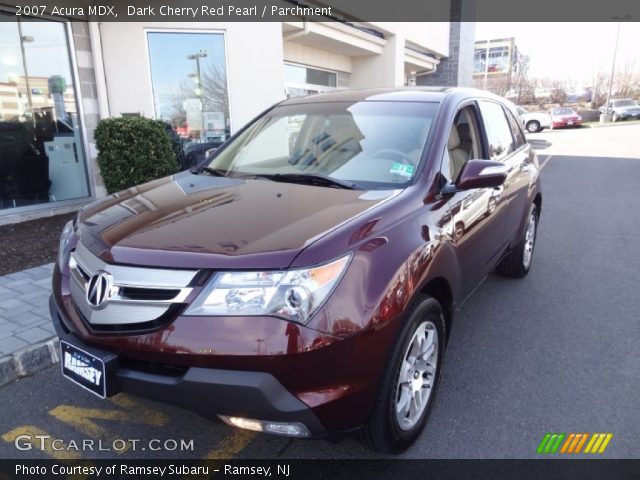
{"type": "Point", "coordinates": [405, 469]}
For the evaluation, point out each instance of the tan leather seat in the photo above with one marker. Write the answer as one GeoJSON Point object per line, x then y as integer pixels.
{"type": "Point", "coordinates": [457, 155]}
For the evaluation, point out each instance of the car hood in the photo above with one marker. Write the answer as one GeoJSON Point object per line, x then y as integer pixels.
{"type": "Point", "coordinates": [203, 221]}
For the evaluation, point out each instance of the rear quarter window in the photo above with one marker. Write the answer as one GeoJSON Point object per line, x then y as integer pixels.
{"type": "Point", "coordinates": [516, 131]}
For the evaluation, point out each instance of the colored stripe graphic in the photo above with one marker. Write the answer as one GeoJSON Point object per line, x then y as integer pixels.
{"type": "Point", "coordinates": [574, 442]}
{"type": "Point", "coordinates": [598, 443]}
{"type": "Point", "coordinates": [550, 443]}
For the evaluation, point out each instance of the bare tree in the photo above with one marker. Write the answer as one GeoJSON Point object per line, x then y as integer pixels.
{"type": "Point", "coordinates": [599, 89]}
{"type": "Point", "coordinates": [521, 81]}
{"type": "Point", "coordinates": [215, 97]}
{"type": "Point", "coordinates": [627, 81]}
{"type": "Point", "coordinates": [213, 94]}
{"type": "Point", "coordinates": [500, 84]}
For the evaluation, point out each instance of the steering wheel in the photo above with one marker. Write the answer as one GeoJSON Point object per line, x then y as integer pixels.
{"type": "Point", "coordinates": [392, 151]}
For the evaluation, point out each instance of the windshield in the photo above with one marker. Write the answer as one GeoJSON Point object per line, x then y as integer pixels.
{"type": "Point", "coordinates": [563, 111]}
{"type": "Point", "coordinates": [370, 145]}
{"type": "Point", "coordinates": [623, 103]}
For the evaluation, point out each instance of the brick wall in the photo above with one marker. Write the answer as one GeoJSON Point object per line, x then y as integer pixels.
{"type": "Point", "coordinates": [457, 68]}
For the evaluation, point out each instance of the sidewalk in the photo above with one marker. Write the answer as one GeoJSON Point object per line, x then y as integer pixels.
{"type": "Point", "coordinates": [27, 337]}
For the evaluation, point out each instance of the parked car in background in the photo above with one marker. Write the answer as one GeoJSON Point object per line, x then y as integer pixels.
{"type": "Point", "coordinates": [622, 109]}
{"type": "Point", "coordinates": [534, 121]}
{"type": "Point", "coordinates": [564, 117]}
{"type": "Point", "coordinates": [308, 287]}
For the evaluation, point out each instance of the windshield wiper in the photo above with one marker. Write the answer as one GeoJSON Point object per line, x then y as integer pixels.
{"type": "Point", "coordinates": [213, 171]}
{"type": "Point", "coordinates": [308, 179]}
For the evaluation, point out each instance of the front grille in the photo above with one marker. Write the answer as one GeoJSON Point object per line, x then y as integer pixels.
{"type": "Point", "coordinates": [138, 298]}
{"type": "Point", "coordinates": [152, 368]}
{"type": "Point", "coordinates": [139, 293]}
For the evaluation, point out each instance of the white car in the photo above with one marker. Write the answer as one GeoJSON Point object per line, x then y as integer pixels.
{"type": "Point", "coordinates": [532, 121]}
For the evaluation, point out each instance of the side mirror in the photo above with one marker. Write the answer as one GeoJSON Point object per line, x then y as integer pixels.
{"type": "Point", "coordinates": [482, 174]}
{"type": "Point", "coordinates": [478, 174]}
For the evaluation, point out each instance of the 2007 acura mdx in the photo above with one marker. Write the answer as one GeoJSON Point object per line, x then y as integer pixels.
{"type": "Point", "coordinates": [303, 280]}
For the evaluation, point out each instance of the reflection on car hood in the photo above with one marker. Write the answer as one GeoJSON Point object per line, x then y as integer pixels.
{"type": "Point", "coordinates": [202, 221]}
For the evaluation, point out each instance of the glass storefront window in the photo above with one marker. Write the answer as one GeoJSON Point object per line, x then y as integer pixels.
{"type": "Point", "coordinates": [301, 80]}
{"type": "Point", "coordinates": [189, 80]}
{"type": "Point", "coordinates": [41, 155]}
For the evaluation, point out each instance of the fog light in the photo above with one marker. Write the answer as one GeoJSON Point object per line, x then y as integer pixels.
{"type": "Point", "coordinates": [288, 429]}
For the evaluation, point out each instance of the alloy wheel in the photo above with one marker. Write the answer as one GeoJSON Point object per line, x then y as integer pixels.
{"type": "Point", "coordinates": [417, 376]}
{"type": "Point", "coordinates": [529, 241]}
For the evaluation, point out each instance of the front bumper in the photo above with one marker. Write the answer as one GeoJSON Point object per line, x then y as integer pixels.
{"type": "Point", "coordinates": [206, 391]}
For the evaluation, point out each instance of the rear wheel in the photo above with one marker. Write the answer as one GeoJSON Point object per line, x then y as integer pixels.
{"type": "Point", "coordinates": [518, 262]}
{"type": "Point", "coordinates": [533, 126]}
{"type": "Point", "coordinates": [410, 380]}
{"type": "Point", "coordinates": [614, 117]}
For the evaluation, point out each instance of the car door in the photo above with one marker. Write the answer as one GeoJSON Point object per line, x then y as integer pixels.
{"type": "Point", "coordinates": [522, 165]}
{"type": "Point", "coordinates": [514, 152]}
{"type": "Point", "coordinates": [477, 223]}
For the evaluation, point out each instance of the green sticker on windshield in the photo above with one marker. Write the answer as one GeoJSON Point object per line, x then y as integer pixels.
{"type": "Point", "coordinates": [402, 169]}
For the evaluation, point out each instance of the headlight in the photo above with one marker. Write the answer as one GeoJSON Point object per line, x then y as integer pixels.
{"type": "Point", "coordinates": [293, 295]}
{"type": "Point", "coordinates": [64, 246]}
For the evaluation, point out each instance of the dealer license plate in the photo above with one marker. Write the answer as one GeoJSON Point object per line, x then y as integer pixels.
{"type": "Point", "coordinates": [83, 368]}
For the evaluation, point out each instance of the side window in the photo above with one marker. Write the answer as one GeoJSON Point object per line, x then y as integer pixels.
{"type": "Point", "coordinates": [498, 130]}
{"type": "Point", "coordinates": [463, 143]}
{"type": "Point", "coordinates": [516, 130]}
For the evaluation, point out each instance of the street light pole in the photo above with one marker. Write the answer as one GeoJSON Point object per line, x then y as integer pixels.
{"type": "Point", "coordinates": [197, 57]}
{"type": "Point", "coordinates": [486, 65]}
{"type": "Point", "coordinates": [24, 39]}
{"type": "Point", "coordinates": [613, 68]}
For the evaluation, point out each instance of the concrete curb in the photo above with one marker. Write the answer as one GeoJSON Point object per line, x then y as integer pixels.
{"type": "Point", "coordinates": [28, 361]}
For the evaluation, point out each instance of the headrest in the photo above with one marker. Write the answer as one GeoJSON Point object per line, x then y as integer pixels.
{"type": "Point", "coordinates": [454, 139]}
{"type": "Point", "coordinates": [464, 132]}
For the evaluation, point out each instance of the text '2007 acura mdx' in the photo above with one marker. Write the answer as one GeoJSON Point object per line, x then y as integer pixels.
{"type": "Point", "coordinates": [303, 280]}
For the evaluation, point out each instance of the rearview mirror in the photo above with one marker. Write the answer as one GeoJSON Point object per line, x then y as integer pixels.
{"type": "Point", "coordinates": [481, 174]}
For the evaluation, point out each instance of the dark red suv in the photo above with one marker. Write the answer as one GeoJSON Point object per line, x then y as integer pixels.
{"type": "Point", "coordinates": [303, 281]}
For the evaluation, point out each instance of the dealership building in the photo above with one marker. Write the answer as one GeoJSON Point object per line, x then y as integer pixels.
{"type": "Point", "coordinates": [58, 78]}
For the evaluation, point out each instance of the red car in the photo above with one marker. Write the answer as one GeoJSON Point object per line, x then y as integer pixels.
{"type": "Point", "coordinates": [564, 117]}
{"type": "Point", "coordinates": [303, 281]}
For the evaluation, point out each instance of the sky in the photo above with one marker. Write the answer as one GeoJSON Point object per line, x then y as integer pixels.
{"type": "Point", "coordinates": [569, 50]}
{"type": "Point", "coordinates": [47, 52]}
{"type": "Point", "coordinates": [170, 66]}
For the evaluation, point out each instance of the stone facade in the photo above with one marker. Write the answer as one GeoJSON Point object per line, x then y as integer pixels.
{"type": "Point", "coordinates": [457, 69]}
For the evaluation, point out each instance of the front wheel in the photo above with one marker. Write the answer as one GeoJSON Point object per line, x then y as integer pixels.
{"type": "Point", "coordinates": [518, 262]}
{"type": "Point", "coordinates": [410, 380]}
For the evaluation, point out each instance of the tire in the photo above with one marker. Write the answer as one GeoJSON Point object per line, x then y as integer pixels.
{"type": "Point", "coordinates": [614, 117]}
{"type": "Point", "coordinates": [533, 126]}
{"type": "Point", "coordinates": [388, 429]}
{"type": "Point", "coordinates": [517, 263]}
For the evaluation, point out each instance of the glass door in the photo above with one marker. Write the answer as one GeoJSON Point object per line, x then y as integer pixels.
{"type": "Point", "coordinates": [41, 155]}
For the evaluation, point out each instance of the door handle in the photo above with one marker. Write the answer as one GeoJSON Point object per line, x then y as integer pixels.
{"type": "Point", "coordinates": [525, 167]}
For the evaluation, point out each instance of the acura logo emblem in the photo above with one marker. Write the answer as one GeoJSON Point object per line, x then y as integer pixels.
{"type": "Point", "coordinates": [99, 289]}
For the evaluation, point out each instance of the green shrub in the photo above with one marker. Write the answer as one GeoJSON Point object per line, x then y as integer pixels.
{"type": "Point", "coordinates": [133, 150]}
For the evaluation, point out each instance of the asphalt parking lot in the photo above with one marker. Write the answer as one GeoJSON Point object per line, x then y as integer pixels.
{"type": "Point", "coordinates": [555, 352]}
